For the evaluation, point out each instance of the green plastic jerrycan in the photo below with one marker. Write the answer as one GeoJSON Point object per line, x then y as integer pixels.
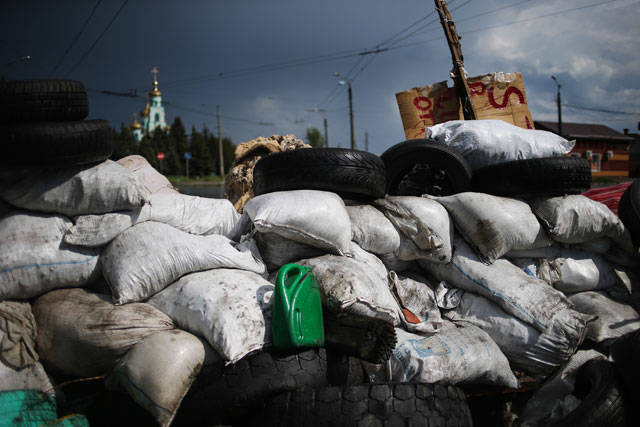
{"type": "Point", "coordinates": [297, 309]}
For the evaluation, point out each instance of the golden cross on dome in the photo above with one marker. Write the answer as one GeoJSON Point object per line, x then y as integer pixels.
{"type": "Point", "coordinates": [155, 74]}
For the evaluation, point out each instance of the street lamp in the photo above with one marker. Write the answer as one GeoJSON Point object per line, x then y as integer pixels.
{"type": "Point", "coordinates": [559, 102]}
{"type": "Point", "coordinates": [348, 83]}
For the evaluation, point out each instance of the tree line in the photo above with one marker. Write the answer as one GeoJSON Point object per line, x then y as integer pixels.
{"type": "Point", "coordinates": [174, 143]}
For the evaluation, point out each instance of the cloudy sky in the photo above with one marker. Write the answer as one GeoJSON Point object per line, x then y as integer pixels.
{"type": "Point", "coordinates": [270, 64]}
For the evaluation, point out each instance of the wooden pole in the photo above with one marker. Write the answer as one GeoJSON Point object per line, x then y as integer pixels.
{"type": "Point", "coordinates": [220, 146]}
{"type": "Point", "coordinates": [453, 40]}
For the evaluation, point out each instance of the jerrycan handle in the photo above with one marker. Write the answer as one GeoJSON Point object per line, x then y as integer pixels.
{"type": "Point", "coordinates": [288, 276]}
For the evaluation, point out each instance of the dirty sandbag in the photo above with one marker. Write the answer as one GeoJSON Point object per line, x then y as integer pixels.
{"type": "Point", "coordinates": [99, 230]}
{"type": "Point", "coordinates": [424, 222]}
{"type": "Point", "coordinates": [372, 230]}
{"type": "Point", "coordinates": [417, 301]}
{"type": "Point", "coordinates": [488, 142]}
{"type": "Point", "coordinates": [31, 377]}
{"type": "Point", "coordinates": [519, 294]}
{"type": "Point", "coordinates": [77, 190]}
{"type": "Point", "coordinates": [535, 352]}
{"type": "Point", "coordinates": [353, 285]}
{"type": "Point", "coordinates": [277, 251]}
{"type": "Point", "coordinates": [495, 225]}
{"type": "Point", "coordinates": [147, 257]}
{"type": "Point", "coordinates": [577, 271]}
{"type": "Point", "coordinates": [152, 180]}
{"type": "Point", "coordinates": [614, 319]}
{"type": "Point", "coordinates": [230, 309]}
{"type": "Point", "coordinates": [158, 371]}
{"type": "Point", "coordinates": [578, 219]}
{"type": "Point", "coordinates": [542, 409]}
{"type": "Point", "coordinates": [393, 263]}
{"type": "Point", "coordinates": [34, 259]}
{"type": "Point", "coordinates": [18, 331]}
{"type": "Point", "coordinates": [315, 218]}
{"type": "Point", "coordinates": [84, 334]}
{"type": "Point", "coordinates": [456, 355]}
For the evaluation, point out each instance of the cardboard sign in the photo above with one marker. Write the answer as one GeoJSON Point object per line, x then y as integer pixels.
{"type": "Point", "coordinates": [494, 96]}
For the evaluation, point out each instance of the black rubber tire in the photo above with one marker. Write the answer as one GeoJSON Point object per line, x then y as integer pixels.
{"type": "Point", "coordinates": [42, 101]}
{"type": "Point", "coordinates": [629, 210]}
{"type": "Point", "coordinates": [69, 143]}
{"type": "Point", "coordinates": [352, 174]}
{"type": "Point", "coordinates": [369, 404]}
{"type": "Point", "coordinates": [229, 394]}
{"type": "Point", "coordinates": [420, 166]}
{"type": "Point", "coordinates": [602, 402]}
{"type": "Point", "coordinates": [548, 176]}
{"type": "Point", "coordinates": [625, 352]}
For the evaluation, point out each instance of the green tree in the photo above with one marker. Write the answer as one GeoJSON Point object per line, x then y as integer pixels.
{"type": "Point", "coordinates": [228, 150]}
{"type": "Point", "coordinates": [179, 144]}
{"type": "Point", "coordinates": [314, 137]}
{"type": "Point", "coordinates": [201, 163]}
{"type": "Point", "coordinates": [123, 143]}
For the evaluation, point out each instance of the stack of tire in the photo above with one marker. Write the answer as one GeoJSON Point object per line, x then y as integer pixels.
{"type": "Point", "coordinates": [42, 124]}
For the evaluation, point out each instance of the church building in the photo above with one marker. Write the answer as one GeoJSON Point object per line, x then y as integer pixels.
{"type": "Point", "coordinates": [153, 116]}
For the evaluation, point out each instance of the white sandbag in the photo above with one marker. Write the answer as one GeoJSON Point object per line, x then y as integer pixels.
{"type": "Point", "coordinates": [459, 355]}
{"type": "Point", "coordinates": [393, 263]}
{"type": "Point", "coordinates": [84, 334]}
{"type": "Point", "coordinates": [370, 260]}
{"type": "Point", "coordinates": [541, 408]}
{"type": "Point", "coordinates": [495, 225]}
{"type": "Point", "coordinates": [277, 251]}
{"type": "Point", "coordinates": [153, 180]}
{"type": "Point", "coordinates": [372, 231]}
{"type": "Point", "coordinates": [315, 218]}
{"type": "Point", "coordinates": [578, 219]}
{"type": "Point", "coordinates": [31, 377]}
{"type": "Point", "coordinates": [352, 285]}
{"type": "Point", "coordinates": [576, 271]}
{"type": "Point", "coordinates": [34, 259]}
{"type": "Point", "coordinates": [538, 353]}
{"type": "Point", "coordinates": [519, 294]}
{"type": "Point", "coordinates": [417, 301]}
{"type": "Point", "coordinates": [488, 142]}
{"type": "Point", "coordinates": [424, 222]}
{"type": "Point", "coordinates": [147, 257]}
{"type": "Point", "coordinates": [99, 230]}
{"type": "Point", "coordinates": [231, 309]}
{"type": "Point", "coordinates": [77, 190]}
{"type": "Point", "coordinates": [158, 371]}
{"type": "Point", "coordinates": [614, 319]}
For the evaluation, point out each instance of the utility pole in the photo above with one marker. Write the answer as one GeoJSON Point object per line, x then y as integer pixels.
{"type": "Point", "coordinates": [353, 140]}
{"type": "Point", "coordinates": [453, 40]}
{"type": "Point", "coordinates": [220, 145]}
{"type": "Point", "coordinates": [326, 135]}
{"type": "Point", "coordinates": [366, 141]}
{"type": "Point", "coordinates": [559, 102]}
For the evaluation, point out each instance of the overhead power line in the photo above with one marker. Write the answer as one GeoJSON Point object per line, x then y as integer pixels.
{"type": "Point", "coordinates": [600, 110]}
{"type": "Point", "coordinates": [75, 39]}
{"type": "Point", "coordinates": [88, 51]}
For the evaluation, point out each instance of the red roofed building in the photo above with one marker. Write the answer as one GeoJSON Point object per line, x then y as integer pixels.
{"type": "Point", "coordinates": [606, 149]}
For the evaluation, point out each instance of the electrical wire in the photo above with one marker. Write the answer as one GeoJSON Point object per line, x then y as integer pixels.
{"type": "Point", "coordinates": [88, 51]}
{"type": "Point", "coordinates": [600, 110]}
{"type": "Point", "coordinates": [77, 36]}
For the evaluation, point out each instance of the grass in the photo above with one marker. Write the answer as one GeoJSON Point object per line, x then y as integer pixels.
{"type": "Point", "coordinates": [182, 179]}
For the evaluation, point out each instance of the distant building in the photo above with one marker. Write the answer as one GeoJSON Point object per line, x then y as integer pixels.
{"type": "Point", "coordinates": [606, 149]}
{"type": "Point", "coordinates": [153, 116]}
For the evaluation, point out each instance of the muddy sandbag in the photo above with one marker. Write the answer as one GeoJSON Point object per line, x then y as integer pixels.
{"type": "Point", "coordinates": [84, 334]}
{"type": "Point", "coordinates": [315, 218]}
{"type": "Point", "coordinates": [519, 294]}
{"type": "Point", "coordinates": [34, 259]}
{"type": "Point", "coordinates": [614, 319]}
{"type": "Point", "coordinates": [231, 309]}
{"type": "Point", "coordinates": [488, 142]}
{"type": "Point", "coordinates": [30, 377]}
{"type": "Point", "coordinates": [152, 180]}
{"type": "Point", "coordinates": [158, 371]}
{"type": "Point", "coordinates": [578, 219]}
{"type": "Point", "coordinates": [393, 263]}
{"type": "Point", "coordinates": [18, 331]}
{"type": "Point", "coordinates": [353, 286]}
{"type": "Point", "coordinates": [147, 257]}
{"type": "Point", "coordinates": [95, 231]}
{"type": "Point", "coordinates": [424, 224]}
{"type": "Point", "coordinates": [372, 231]}
{"type": "Point", "coordinates": [418, 304]}
{"type": "Point", "coordinates": [77, 190]}
{"type": "Point", "coordinates": [456, 355]}
{"type": "Point", "coordinates": [277, 251]}
{"type": "Point", "coordinates": [495, 225]}
{"type": "Point", "coordinates": [537, 353]}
